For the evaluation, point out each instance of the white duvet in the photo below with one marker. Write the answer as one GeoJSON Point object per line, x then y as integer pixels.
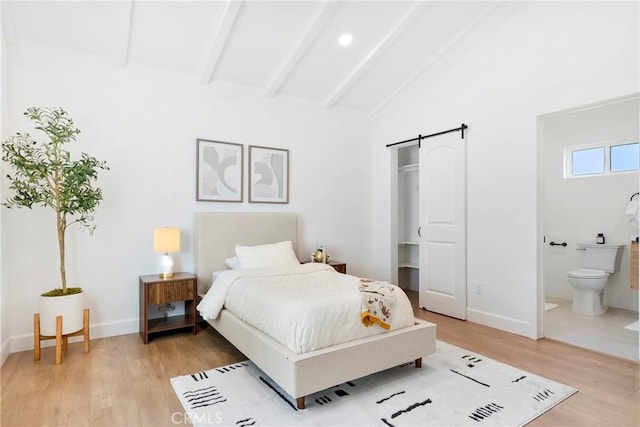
{"type": "Point", "coordinates": [305, 308]}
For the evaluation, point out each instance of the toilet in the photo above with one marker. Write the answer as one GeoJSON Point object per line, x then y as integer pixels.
{"type": "Point", "coordinates": [597, 262]}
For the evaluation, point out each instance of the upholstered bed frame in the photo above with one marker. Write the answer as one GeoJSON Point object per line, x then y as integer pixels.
{"type": "Point", "coordinates": [216, 234]}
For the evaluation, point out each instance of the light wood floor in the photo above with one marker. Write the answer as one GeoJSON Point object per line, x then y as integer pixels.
{"type": "Point", "coordinates": [123, 382]}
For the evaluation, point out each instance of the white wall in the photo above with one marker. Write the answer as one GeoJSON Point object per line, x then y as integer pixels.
{"type": "Point", "coordinates": [4, 324]}
{"type": "Point", "coordinates": [575, 210]}
{"type": "Point", "coordinates": [144, 122]}
{"type": "Point", "coordinates": [537, 58]}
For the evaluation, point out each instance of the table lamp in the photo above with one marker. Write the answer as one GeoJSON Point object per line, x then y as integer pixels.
{"type": "Point", "coordinates": [166, 240]}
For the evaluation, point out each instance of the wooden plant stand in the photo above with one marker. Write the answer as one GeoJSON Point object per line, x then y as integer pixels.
{"type": "Point", "coordinates": [61, 339]}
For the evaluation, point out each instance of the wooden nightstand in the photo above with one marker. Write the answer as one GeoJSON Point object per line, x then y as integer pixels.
{"type": "Point", "coordinates": [155, 290]}
{"type": "Point", "coordinates": [339, 266]}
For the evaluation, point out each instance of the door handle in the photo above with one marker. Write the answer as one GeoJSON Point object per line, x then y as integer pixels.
{"type": "Point", "coordinates": [420, 231]}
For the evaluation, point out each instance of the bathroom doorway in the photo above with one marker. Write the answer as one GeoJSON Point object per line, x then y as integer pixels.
{"type": "Point", "coordinates": [580, 204]}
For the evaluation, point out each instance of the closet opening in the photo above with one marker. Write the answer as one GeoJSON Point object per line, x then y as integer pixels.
{"type": "Point", "coordinates": [408, 217]}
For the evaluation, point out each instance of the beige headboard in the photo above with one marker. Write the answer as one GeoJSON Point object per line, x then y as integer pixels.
{"type": "Point", "coordinates": [217, 233]}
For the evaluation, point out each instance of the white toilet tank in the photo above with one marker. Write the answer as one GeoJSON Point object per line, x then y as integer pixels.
{"type": "Point", "coordinates": [599, 257]}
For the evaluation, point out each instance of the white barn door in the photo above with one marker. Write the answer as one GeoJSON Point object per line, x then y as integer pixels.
{"type": "Point", "coordinates": [443, 251]}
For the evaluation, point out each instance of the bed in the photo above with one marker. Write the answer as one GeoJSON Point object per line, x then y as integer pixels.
{"type": "Point", "coordinates": [216, 235]}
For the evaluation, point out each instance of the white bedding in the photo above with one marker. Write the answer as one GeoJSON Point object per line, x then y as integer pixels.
{"type": "Point", "coordinates": [305, 308]}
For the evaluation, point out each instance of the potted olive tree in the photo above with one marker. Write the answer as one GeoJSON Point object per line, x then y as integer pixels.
{"type": "Point", "coordinates": [43, 174]}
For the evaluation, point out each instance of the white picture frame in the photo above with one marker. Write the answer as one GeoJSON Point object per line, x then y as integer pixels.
{"type": "Point", "coordinates": [268, 175]}
{"type": "Point", "coordinates": [219, 171]}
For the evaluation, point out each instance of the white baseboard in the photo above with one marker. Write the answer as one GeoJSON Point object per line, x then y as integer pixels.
{"type": "Point", "coordinates": [508, 324]}
{"type": "Point", "coordinates": [101, 330]}
{"type": "Point", "coordinates": [4, 351]}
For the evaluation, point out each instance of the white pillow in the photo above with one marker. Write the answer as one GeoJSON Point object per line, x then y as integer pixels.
{"type": "Point", "coordinates": [233, 263]}
{"type": "Point", "coordinates": [275, 255]}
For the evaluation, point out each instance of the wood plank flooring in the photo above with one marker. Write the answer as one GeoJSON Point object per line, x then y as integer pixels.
{"type": "Point", "coordinates": [123, 382]}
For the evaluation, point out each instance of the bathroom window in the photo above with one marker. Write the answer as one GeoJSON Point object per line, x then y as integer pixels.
{"type": "Point", "coordinates": [589, 161]}
{"type": "Point", "coordinates": [602, 159]}
{"type": "Point", "coordinates": [625, 157]}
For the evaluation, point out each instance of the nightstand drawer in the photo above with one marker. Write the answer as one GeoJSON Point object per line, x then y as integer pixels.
{"type": "Point", "coordinates": [155, 291]}
{"type": "Point", "coordinates": [160, 293]}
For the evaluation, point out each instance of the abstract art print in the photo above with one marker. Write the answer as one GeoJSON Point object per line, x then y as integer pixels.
{"type": "Point", "coordinates": [219, 171]}
{"type": "Point", "coordinates": [268, 175]}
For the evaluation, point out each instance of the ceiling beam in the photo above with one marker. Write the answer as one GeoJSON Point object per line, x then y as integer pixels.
{"type": "Point", "coordinates": [444, 50]}
{"type": "Point", "coordinates": [310, 33]}
{"type": "Point", "coordinates": [122, 32]}
{"type": "Point", "coordinates": [407, 19]}
{"type": "Point", "coordinates": [219, 39]}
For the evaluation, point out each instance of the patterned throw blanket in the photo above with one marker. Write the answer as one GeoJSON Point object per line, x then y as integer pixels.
{"type": "Point", "coordinates": [378, 299]}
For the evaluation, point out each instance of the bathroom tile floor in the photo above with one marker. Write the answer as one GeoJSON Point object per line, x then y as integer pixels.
{"type": "Point", "coordinates": [604, 333]}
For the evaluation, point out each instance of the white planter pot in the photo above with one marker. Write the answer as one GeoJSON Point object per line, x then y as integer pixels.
{"type": "Point", "coordinates": [67, 306]}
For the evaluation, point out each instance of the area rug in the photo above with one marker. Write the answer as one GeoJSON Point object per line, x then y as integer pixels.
{"type": "Point", "coordinates": [454, 387]}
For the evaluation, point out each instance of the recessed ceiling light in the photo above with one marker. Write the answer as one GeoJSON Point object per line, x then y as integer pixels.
{"type": "Point", "coordinates": [345, 39]}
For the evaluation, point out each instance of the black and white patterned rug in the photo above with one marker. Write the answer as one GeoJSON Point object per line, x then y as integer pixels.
{"type": "Point", "coordinates": [454, 387]}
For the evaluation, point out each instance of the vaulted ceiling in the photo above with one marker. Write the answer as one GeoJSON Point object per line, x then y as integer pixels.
{"type": "Point", "coordinates": [276, 47]}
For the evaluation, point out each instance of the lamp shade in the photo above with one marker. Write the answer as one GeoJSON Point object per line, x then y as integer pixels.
{"type": "Point", "coordinates": [166, 239]}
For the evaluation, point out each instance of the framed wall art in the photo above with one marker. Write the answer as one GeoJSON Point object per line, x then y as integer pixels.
{"type": "Point", "coordinates": [268, 175]}
{"type": "Point", "coordinates": [219, 170]}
